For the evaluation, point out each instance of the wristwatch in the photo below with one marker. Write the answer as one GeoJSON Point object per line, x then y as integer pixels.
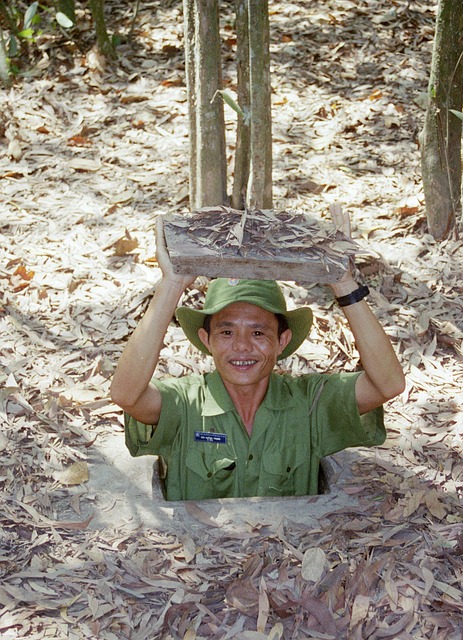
{"type": "Point", "coordinates": [354, 296]}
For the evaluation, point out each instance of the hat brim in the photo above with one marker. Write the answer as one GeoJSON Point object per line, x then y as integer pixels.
{"type": "Point", "coordinates": [299, 321]}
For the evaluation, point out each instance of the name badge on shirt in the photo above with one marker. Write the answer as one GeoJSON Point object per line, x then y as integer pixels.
{"type": "Point", "coordinates": [209, 436]}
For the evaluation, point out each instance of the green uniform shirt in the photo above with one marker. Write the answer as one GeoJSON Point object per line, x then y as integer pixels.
{"type": "Point", "coordinates": [209, 454]}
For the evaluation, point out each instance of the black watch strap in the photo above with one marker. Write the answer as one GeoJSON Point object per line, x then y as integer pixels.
{"type": "Point", "coordinates": [354, 296]}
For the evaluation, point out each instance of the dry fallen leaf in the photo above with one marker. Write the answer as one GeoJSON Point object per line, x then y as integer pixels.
{"type": "Point", "coordinates": [314, 564]}
{"type": "Point", "coordinates": [76, 473]}
{"type": "Point", "coordinates": [3, 442]}
{"type": "Point", "coordinates": [84, 164]}
{"type": "Point", "coordinates": [79, 141]}
{"type": "Point", "coordinates": [435, 506]}
{"type": "Point", "coordinates": [125, 245]}
{"type": "Point", "coordinates": [244, 596]}
{"type": "Point", "coordinates": [200, 514]}
{"type": "Point", "coordinates": [15, 150]}
{"type": "Point", "coordinates": [360, 609]}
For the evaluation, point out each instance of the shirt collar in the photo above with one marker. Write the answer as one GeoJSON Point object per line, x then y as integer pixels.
{"type": "Point", "coordinates": [279, 396]}
{"type": "Point", "coordinates": [217, 401]}
{"type": "Point", "coordinates": [216, 398]}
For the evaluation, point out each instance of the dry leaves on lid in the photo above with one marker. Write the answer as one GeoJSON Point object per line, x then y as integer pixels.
{"type": "Point", "coordinates": [280, 245]}
{"type": "Point", "coordinates": [263, 232]}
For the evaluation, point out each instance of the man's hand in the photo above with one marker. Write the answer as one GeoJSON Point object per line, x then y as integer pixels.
{"type": "Point", "coordinates": [162, 256]}
{"type": "Point", "coordinates": [341, 221]}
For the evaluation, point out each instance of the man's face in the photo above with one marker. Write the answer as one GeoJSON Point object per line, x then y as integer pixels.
{"type": "Point", "coordinates": [244, 343]}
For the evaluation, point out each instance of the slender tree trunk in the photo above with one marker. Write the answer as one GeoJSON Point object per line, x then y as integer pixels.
{"type": "Point", "coordinates": [441, 136]}
{"type": "Point", "coordinates": [259, 192]}
{"type": "Point", "coordinates": [104, 43]}
{"type": "Point", "coordinates": [4, 64]}
{"type": "Point", "coordinates": [208, 170]}
{"type": "Point", "coordinates": [243, 129]}
{"type": "Point", "coordinates": [189, 32]}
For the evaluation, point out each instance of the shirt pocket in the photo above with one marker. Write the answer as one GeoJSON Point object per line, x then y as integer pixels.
{"type": "Point", "coordinates": [285, 473]}
{"type": "Point", "coordinates": [212, 472]}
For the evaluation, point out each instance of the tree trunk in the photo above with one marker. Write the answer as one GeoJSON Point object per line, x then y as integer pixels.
{"type": "Point", "coordinates": [243, 130]}
{"type": "Point", "coordinates": [441, 136]}
{"type": "Point", "coordinates": [259, 192]}
{"type": "Point", "coordinates": [208, 170]}
{"type": "Point", "coordinates": [4, 63]}
{"type": "Point", "coordinates": [104, 43]}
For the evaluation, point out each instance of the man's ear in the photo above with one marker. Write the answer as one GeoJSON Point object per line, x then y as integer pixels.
{"type": "Point", "coordinates": [284, 339]}
{"type": "Point", "coordinates": [204, 337]}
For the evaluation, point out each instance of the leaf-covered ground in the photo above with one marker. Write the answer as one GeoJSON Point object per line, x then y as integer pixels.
{"type": "Point", "coordinates": [91, 153]}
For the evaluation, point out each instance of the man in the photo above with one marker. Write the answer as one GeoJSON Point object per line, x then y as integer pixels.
{"type": "Point", "coordinates": [243, 430]}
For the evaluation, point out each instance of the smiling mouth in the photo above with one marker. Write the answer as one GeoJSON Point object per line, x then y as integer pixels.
{"type": "Point", "coordinates": [242, 363]}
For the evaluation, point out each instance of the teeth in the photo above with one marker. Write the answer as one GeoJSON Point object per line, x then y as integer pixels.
{"type": "Point", "coordinates": [242, 363]}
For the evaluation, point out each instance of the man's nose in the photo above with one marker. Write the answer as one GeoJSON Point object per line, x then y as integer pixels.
{"type": "Point", "coordinates": [242, 342]}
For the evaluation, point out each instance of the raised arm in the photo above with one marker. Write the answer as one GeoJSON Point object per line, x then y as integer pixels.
{"type": "Point", "coordinates": [131, 387]}
{"type": "Point", "coordinates": [382, 378]}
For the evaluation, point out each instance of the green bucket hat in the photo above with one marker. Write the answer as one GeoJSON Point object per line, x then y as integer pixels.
{"type": "Point", "coordinates": [265, 294]}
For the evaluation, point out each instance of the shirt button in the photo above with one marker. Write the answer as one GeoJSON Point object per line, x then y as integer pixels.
{"type": "Point", "coordinates": [209, 475]}
{"type": "Point", "coordinates": [288, 469]}
{"type": "Point", "coordinates": [251, 457]}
